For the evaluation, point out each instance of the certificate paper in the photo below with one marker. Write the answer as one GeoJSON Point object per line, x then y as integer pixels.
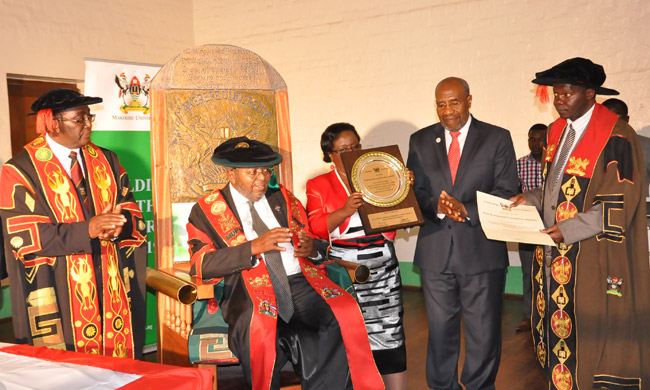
{"type": "Point", "coordinates": [517, 224]}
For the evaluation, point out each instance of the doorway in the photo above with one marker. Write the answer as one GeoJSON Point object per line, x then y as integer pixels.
{"type": "Point", "coordinates": [23, 91]}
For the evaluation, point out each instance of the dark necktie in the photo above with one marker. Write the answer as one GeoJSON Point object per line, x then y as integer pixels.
{"type": "Point", "coordinates": [78, 179]}
{"type": "Point", "coordinates": [563, 156]}
{"type": "Point", "coordinates": [454, 154]}
{"type": "Point", "coordinates": [276, 271]}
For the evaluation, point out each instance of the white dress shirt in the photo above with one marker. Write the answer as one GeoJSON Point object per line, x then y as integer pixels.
{"type": "Point", "coordinates": [291, 264]}
{"type": "Point", "coordinates": [63, 154]}
{"type": "Point", "coordinates": [579, 126]}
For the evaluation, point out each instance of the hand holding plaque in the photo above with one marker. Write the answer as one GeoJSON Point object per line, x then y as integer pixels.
{"type": "Point", "coordinates": [382, 178]}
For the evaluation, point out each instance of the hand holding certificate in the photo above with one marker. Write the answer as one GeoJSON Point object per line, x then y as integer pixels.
{"type": "Point", "coordinates": [514, 224]}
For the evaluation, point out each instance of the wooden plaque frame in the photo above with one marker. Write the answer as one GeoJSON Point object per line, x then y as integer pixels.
{"type": "Point", "coordinates": [399, 210]}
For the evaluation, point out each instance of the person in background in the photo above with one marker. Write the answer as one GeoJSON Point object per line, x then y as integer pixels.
{"type": "Point", "coordinates": [529, 169]}
{"type": "Point", "coordinates": [618, 107]}
{"type": "Point", "coordinates": [75, 239]}
{"type": "Point", "coordinates": [333, 216]}
{"type": "Point", "coordinates": [592, 303]}
{"type": "Point", "coordinates": [463, 273]}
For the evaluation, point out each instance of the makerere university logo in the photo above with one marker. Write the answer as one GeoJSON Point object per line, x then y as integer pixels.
{"type": "Point", "coordinates": [134, 94]}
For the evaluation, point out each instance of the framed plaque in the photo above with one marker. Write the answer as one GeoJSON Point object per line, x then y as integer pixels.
{"type": "Point", "coordinates": [380, 175]}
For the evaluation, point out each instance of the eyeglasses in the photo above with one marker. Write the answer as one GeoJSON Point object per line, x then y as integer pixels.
{"type": "Point", "coordinates": [258, 171]}
{"type": "Point", "coordinates": [348, 149]}
{"type": "Point", "coordinates": [80, 121]}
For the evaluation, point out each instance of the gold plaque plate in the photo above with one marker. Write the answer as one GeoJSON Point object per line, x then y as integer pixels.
{"type": "Point", "coordinates": [198, 121]}
{"type": "Point", "coordinates": [381, 178]}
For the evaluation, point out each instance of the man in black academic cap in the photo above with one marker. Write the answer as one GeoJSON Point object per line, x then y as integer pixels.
{"type": "Point", "coordinates": [592, 305]}
{"type": "Point", "coordinates": [75, 240]}
{"type": "Point", "coordinates": [279, 306]}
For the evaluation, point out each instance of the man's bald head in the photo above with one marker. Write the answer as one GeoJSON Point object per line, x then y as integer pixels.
{"type": "Point", "coordinates": [454, 80]}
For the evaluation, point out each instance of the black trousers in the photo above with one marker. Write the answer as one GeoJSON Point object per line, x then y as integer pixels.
{"type": "Point", "coordinates": [526, 252]}
{"type": "Point", "coordinates": [312, 341]}
{"type": "Point", "coordinates": [478, 299]}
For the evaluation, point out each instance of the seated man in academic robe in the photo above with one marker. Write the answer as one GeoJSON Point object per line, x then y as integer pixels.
{"type": "Point", "coordinates": [279, 306]}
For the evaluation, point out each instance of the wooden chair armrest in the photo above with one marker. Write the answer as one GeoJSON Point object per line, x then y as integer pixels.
{"type": "Point", "coordinates": [204, 290]}
{"type": "Point", "coordinates": [172, 286]}
{"type": "Point", "coordinates": [359, 273]}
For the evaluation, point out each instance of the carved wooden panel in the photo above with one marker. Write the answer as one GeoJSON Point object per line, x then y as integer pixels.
{"type": "Point", "coordinates": [198, 121]}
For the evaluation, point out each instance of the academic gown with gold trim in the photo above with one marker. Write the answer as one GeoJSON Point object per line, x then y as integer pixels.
{"type": "Point", "coordinates": [36, 250]}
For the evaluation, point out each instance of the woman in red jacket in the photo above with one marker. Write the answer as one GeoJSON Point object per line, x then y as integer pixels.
{"type": "Point", "coordinates": [333, 216]}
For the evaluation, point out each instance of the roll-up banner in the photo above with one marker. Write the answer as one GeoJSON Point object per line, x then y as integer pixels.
{"type": "Point", "coordinates": [122, 125]}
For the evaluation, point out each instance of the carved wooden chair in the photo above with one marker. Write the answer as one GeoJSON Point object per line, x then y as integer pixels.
{"type": "Point", "coordinates": [204, 96]}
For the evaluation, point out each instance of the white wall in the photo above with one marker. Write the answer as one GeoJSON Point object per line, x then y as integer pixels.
{"type": "Point", "coordinates": [375, 63]}
{"type": "Point", "coordinates": [51, 39]}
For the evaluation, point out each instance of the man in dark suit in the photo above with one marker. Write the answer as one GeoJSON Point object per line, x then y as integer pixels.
{"type": "Point", "coordinates": [279, 306]}
{"type": "Point", "coordinates": [463, 273]}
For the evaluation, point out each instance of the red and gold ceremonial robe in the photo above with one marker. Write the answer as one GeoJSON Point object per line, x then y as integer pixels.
{"type": "Point", "coordinates": [590, 317]}
{"type": "Point", "coordinates": [218, 248]}
{"type": "Point", "coordinates": [68, 291]}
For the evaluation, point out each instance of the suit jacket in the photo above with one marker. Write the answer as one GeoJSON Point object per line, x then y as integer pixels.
{"type": "Point", "coordinates": [487, 164]}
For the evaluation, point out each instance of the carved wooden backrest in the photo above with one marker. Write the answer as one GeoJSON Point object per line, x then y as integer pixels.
{"type": "Point", "coordinates": [202, 97]}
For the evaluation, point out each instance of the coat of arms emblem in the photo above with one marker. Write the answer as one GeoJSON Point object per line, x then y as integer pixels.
{"type": "Point", "coordinates": [134, 94]}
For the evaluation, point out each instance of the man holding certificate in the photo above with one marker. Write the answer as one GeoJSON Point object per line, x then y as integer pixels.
{"type": "Point", "coordinates": [463, 273]}
{"type": "Point", "coordinates": [591, 288]}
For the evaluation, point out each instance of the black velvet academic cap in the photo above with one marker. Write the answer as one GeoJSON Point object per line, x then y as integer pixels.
{"type": "Point", "coordinates": [242, 152]}
{"type": "Point", "coordinates": [62, 99]}
{"type": "Point", "coordinates": [576, 71]}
